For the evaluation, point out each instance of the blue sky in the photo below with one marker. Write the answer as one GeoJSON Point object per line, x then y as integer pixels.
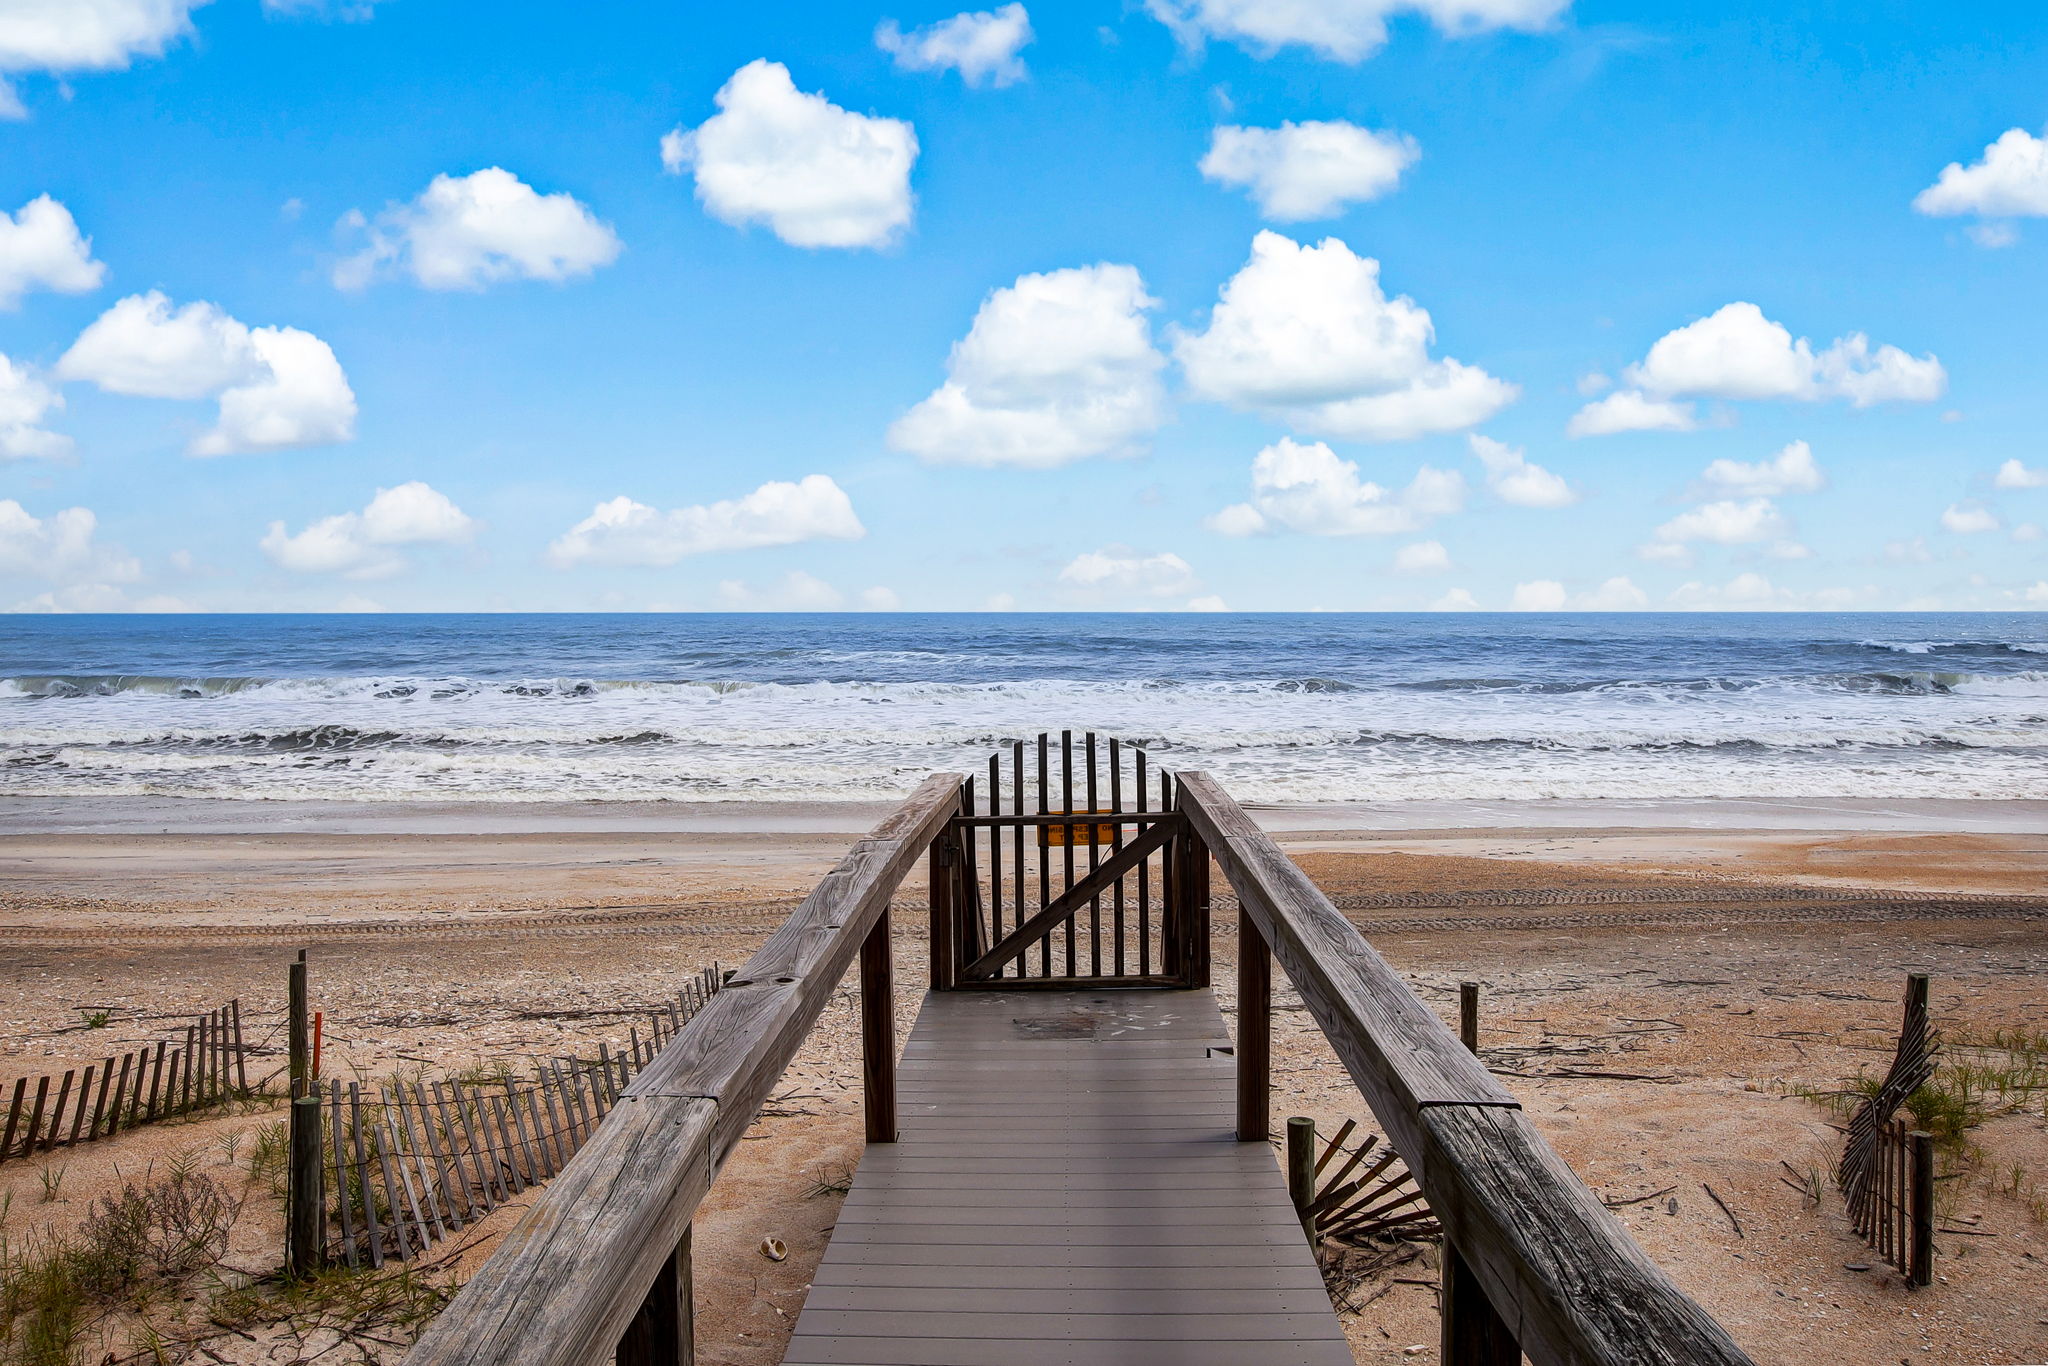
{"type": "Point", "coordinates": [342, 305]}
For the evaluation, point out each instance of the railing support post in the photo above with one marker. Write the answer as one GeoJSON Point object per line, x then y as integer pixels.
{"type": "Point", "coordinates": [663, 1332]}
{"type": "Point", "coordinates": [1473, 1333]}
{"type": "Point", "coordinates": [1197, 960]}
{"type": "Point", "coordinates": [1254, 1032]}
{"type": "Point", "coordinates": [1301, 1171]}
{"type": "Point", "coordinates": [878, 1032]}
{"type": "Point", "coordinates": [1921, 1209]}
{"type": "Point", "coordinates": [945, 958]}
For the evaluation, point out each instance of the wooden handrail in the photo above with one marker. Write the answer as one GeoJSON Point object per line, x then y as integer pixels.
{"type": "Point", "coordinates": [1557, 1266]}
{"type": "Point", "coordinates": [567, 1281]}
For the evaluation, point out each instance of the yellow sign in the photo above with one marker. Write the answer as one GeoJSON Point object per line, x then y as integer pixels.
{"type": "Point", "coordinates": [1056, 836]}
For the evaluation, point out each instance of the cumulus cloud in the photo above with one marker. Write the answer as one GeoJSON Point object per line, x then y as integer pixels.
{"type": "Point", "coordinates": [41, 248]}
{"type": "Point", "coordinates": [1744, 592]}
{"type": "Point", "coordinates": [1626, 410]}
{"type": "Point", "coordinates": [2009, 181]}
{"type": "Point", "coordinates": [59, 36]}
{"type": "Point", "coordinates": [981, 45]}
{"type": "Point", "coordinates": [1541, 595]}
{"type": "Point", "coordinates": [1969, 519]}
{"type": "Point", "coordinates": [1512, 479]}
{"type": "Point", "coordinates": [279, 387]}
{"type": "Point", "coordinates": [1056, 367]}
{"type": "Point", "coordinates": [465, 232]}
{"type": "Point", "coordinates": [816, 174]}
{"type": "Point", "coordinates": [61, 548]}
{"type": "Point", "coordinates": [1456, 600]}
{"type": "Point", "coordinates": [2014, 475]}
{"type": "Point", "coordinates": [1725, 522]}
{"type": "Point", "coordinates": [1738, 353]}
{"type": "Point", "coordinates": [623, 532]}
{"type": "Point", "coordinates": [795, 591]}
{"type": "Point", "coordinates": [1791, 470]}
{"type": "Point", "coordinates": [1342, 30]}
{"type": "Point", "coordinates": [1307, 336]}
{"type": "Point", "coordinates": [1302, 171]}
{"type": "Point", "coordinates": [1120, 572]}
{"type": "Point", "coordinates": [25, 401]}
{"type": "Point", "coordinates": [363, 545]}
{"type": "Point", "coordinates": [1422, 557]}
{"type": "Point", "coordinates": [1307, 488]}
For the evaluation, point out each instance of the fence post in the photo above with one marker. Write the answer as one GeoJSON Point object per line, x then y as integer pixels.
{"type": "Point", "coordinates": [304, 1246]}
{"type": "Point", "coordinates": [296, 1034]}
{"type": "Point", "coordinates": [1921, 1210]}
{"type": "Point", "coordinates": [878, 1032]}
{"type": "Point", "coordinates": [1301, 1171]}
{"type": "Point", "coordinates": [663, 1332]}
{"type": "Point", "coordinates": [1468, 1015]}
{"type": "Point", "coordinates": [1254, 1032]}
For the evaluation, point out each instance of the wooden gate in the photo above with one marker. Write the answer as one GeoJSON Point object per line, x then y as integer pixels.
{"type": "Point", "coordinates": [1078, 870]}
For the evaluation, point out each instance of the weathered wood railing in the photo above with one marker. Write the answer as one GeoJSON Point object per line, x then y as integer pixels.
{"type": "Point", "coordinates": [1534, 1262]}
{"type": "Point", "coordinates": [600, 1264]}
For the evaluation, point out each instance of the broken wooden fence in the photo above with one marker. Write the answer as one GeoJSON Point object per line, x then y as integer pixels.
{"type": "Point", "coordinates": [407, 1164]}
{"type": "Point", "coordinates": [126, 1089]}
{"type": "Point", "coordinates": [1887, 1167]}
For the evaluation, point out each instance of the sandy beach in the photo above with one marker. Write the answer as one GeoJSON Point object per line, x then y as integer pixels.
{"type": "Point", "coordinates": [1661, 986]}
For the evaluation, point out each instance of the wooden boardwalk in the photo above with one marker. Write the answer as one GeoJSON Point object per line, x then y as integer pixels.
{"type": "Point", "coordinates": [1068, 1190]}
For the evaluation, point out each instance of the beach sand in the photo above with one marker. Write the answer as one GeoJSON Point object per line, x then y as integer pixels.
{"type": "Point", "coordinates": [1709, 1000]}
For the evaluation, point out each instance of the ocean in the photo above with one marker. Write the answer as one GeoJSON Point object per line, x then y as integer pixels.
{"type": "Point", "coordinates": [1284, 708]}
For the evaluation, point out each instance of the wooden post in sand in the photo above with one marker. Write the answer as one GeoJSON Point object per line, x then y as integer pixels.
{"type": "Point", "coordinates": [1254, 1032]}
{"type": "Point", "coordinates": [304, 1243]}
{"type": "Point", "coordinates": [296, 1034]}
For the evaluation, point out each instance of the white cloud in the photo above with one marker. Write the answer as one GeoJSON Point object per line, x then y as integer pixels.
{"type": "Point", "coordinates": [2028, 532]}
{"type": "Point", "coordinates": [1342, 30]}
{"type": "Point", "coordinates": [2037, 592]}
{"type": "Point", "coordinates": [879, 599]}
{"type": "Point", "coordinates": [361, 544]}
{"type": "Point", "coordinates": [1056, 367]}
{"type": "Point", "coordinates": [1993, 236]}
{"type": "Point", "coordinates": [1738, 353]}
{"type": "Point", "coordinates": [465, 232]}
{"type": "Point", "coordinates": [300, 398]}
{"type": "Point", "coordinates": [41, 248]}
{"type": "Point", "coordinates": [1000, 602]}
{"type": "Point", "coordinates": [1791, 470]}
{"type": "Point", "coordinates": [1744, 592]}
{"type": "Point", "coordinates": [1626, 410]}
{"type": "Point", "coordinates": [63, 551]}
{"type": "Point", "coordinates": [1969, 519]}
{"type": "Point", "coordinates": [1119, 571]}
{"type": "Point", "coordinates": [1617, 594]}
{"type": "Point", "coordinates": [2013, 475]}
{"type": "Point", "coordinates": [1308, 170]}
{"type": "Point", "coordinates": [1307, 488]}
{"type": "Point", "coordinates": [59, 36]}
{"type": "Point", "coordinates": [142, 347]}
{"type": "Point", "coordinates": [347, 11]}
{"type": "Point", "coordinates": [981, 45]}
{"type": "Point", "coordinates": [816, 174]}
{"type": "Point", "coordinates": [1208, 602]}
{"type": "Point", "coordinates": [1726, 522]}
{"type": "Point", "coordinates": [795, 591]}
{"type": "Point", "coordinates": [1422, 557]}
{"type": "Point", "coordinates": [25, 401]}
{"type": "Point", "coordinates": [2009, 181]}
{"type": "Point", "coordinates": [1456, 600]}
{"type": "Point", "coordinates": [279, 387]}
{"type": "Point", "coordinates": [1914, 551]}
{"type": "Point", "coordinates": [623, 532]}
{"type": "Point", "coordinates": [1306, 335]}
{"type": "Point", "coordinates": [1542, 595]}
{"type": "Point", "coordinates": [1512, 479]}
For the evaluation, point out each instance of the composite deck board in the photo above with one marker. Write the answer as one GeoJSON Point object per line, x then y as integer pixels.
{"type": "Point", "coordinates": [1067, 1190]}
